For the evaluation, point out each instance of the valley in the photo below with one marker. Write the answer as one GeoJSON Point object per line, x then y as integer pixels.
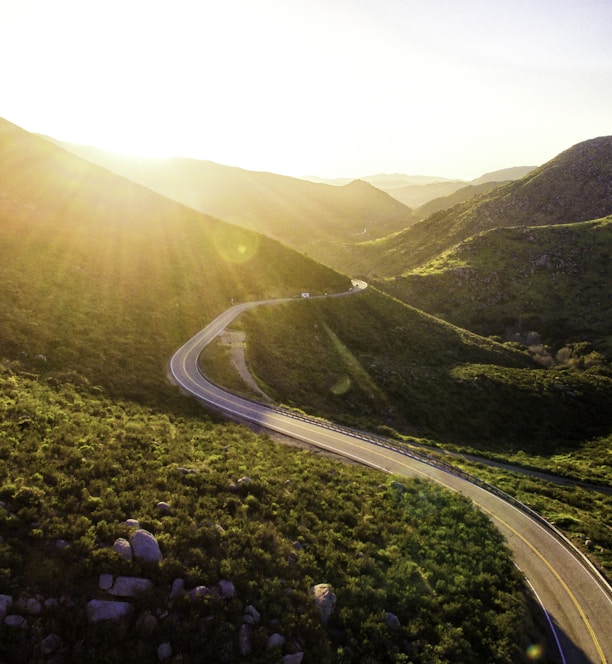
{"type": "Point", "coordinates": [104, 279]}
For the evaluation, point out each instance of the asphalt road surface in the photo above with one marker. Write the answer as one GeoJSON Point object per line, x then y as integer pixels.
{"type": "Point", "coordinates": [576, 601]}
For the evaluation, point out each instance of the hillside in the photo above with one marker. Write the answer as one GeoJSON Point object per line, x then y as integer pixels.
{"type": "Point", "coordinates": [101, 280]}
{"type": "Point", "coordinates": [373, 364]}
{"type": "Point", "coordinates": [459, 196]}
{"type": "Point", "coordinates": [504, 174]}
{"type": "Point", "coordinates": [415, 195]}
{"type": "Point", "coordinates": [574, 186]}
{"type": "Point", "coordinates": [95, 258]}
{"type": "Point", "coordinates": [552, 282]}
{"type": "Point", "coordinates": [311, 217]}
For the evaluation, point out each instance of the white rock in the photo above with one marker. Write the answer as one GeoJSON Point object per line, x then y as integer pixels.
{"type": "Point", "coordinates": [50, 644]}
{"type": "Point", "coordinates": [101, 609]}
{"type": "Point", "coordinates": [146, 624]}
{"type": "Point", "coordinates": [199, 591]}
{"type": "Point", "coordinates": [392, 621]}
{"type": "Point", "coordinates": [325, 599]}
{"type": "Point", "coordinates": [15, 620]}
{"type": "Point", "coordinates": [164, 651]}
{"type": "Point", "coordinates": [105, 581]}
{"type": "Point", "coordinates": [132, 523]}
{"type": "Point", "coordinates": [276, 640]}
{"type": "Point", "coordinates": [177, 589]}
{"type": "Point", "coordinates": [226, 589]}
{"type": "Point", "coordinates": [6, 601]}
{"type": "Point", "coordinates": [296, 658]}
{"type": "Point", "coordinates": [244, 640]}
{"type": "Point", "coordinates": [123, 548]}
{"type": "Point", "coordinates": [33, 606]}
{"type": "Point", "coordinates": [252, 611]}
{"type": "Point", "coordinates": [130, 586]}
{"type": "Point", "coordinates": [145, 547]}
{"type": "Point", "coordinates": [164, 508]}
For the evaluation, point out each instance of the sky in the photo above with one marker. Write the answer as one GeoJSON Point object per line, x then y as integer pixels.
{"type": "Point", "coordinates": [333, 88]}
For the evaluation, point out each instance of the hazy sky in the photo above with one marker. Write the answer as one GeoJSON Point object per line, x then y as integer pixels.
{"type": "Point", "coordinates": [314, 87]}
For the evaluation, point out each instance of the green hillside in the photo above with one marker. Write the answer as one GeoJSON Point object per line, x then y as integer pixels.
{"type": "Point", "coordinates": [317, 219]}
{"type": "Point", "coordinates": [101, 281]}
{"type": "Point", "coordinates": [550, 282]}
{"type": "Point", "coordinates": [106, 278]}
{"type": "Point", "coordinates": [371, 362]}
{"type": "Point", "coordinates": [574, 186]}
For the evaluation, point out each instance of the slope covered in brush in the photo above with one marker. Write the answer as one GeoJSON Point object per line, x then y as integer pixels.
{"type": "Point", "coordinates": [312, 217]}
{"type": "Point", "coordinates": [551, 281]}
{"type": "Point", "coordinates": [101, 280]}
{"type": "Point", "coordinates": [574, 186]}
{"type": "Point", "coordinates": [103, 276]}
{"type": "Point", "coordinates": [370, 361]}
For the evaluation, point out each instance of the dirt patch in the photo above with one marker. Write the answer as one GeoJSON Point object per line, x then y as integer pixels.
{"type": "Point", "coordinates": [234, 340]}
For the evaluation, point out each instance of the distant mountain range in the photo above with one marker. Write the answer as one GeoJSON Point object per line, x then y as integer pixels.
{"type": "Point", "coordinates": [524, 256]}
{"type": "Point", "coordinates": [311, 217]}
{"type": "Point", "coordinates": [360, 228]}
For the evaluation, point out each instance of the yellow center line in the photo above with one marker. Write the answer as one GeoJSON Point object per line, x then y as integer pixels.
{"type": "Point", "coordinates": [393, 458]}
{"type": "Point", "coordinates": [556, 574]}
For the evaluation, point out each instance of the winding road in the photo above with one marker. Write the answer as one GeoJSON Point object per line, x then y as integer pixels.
{"type": "Point", "coordinates": [576, 600]}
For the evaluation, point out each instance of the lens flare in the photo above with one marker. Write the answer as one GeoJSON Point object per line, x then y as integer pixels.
{"type": "Point", "coordinates": [535, 652]}
{"type": "Point", "coordinates": [236, 245]}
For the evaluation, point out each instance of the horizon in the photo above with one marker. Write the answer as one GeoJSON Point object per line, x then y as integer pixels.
{"type": "Point", "coordinates": [314, 89]}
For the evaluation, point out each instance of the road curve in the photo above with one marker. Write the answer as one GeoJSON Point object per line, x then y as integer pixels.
{"type": "Point", "coordinates": [577, 603]}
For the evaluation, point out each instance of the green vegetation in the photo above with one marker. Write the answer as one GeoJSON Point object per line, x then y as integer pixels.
{"type": "Point", "coordinates": [321, 220]}
{"type": "Point", "coordinates": [76, 464]}
{"type": "Point", "coordinates": [105, 278]}
{"type": "Point", "coordinates": [583, 514]}
{"type": "Point", "coordinates": [572, 187]}
{"type": "Point", "coordinates": [541, 286]}
{"type": "Point", "coordinates": [406, 370]}
{"type": "Point", "coordinates": [101, 281]}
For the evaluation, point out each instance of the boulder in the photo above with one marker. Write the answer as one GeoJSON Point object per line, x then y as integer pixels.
{"type": "Point", "coordinates": [276, 640]}
{"type": "Point", "coordinates": [296, 658]}
{"type": "Point", "coordinates": [132, 523]}
{"type": "Point", "coordinates": [253, 612]}
{"type": "Point", "coordinates": [130, 586]}
{"type": "Point", "coordinates": [99, 610]}
{"type": "Point", "coordinates": [6, 601]}
{"type": "Point", "coordinates": [105, 581]}
{"type": "Point", "coordinates": [145, 547]}
{"type": "Point", "coordinates": [146, 624]}
{"type": "Point", "coordinates": [325, 599]}
{"type": "Point", "coordinates": [226, 589]}
{"type": "Point", "coordinates": [50, 644]}
{"type": "Point", "coordinates": [33, 606]}
{"type": "Point", "coordinates": [199, 591]}
{"type": "Point", "coordinates": [164, 651]}
{"type": "Point", "coordinates": [392, 621]}
{"type": "Point", "coordinates": [15, 620]}
{"type": "Point", "coordinates": [244, 640]}
{"type": "Point", "coordinates": [123, 548]}
{"type": "Point", "coordinates": [177, 589]}
{"type": "Point", "coordinates": [163, 508]}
